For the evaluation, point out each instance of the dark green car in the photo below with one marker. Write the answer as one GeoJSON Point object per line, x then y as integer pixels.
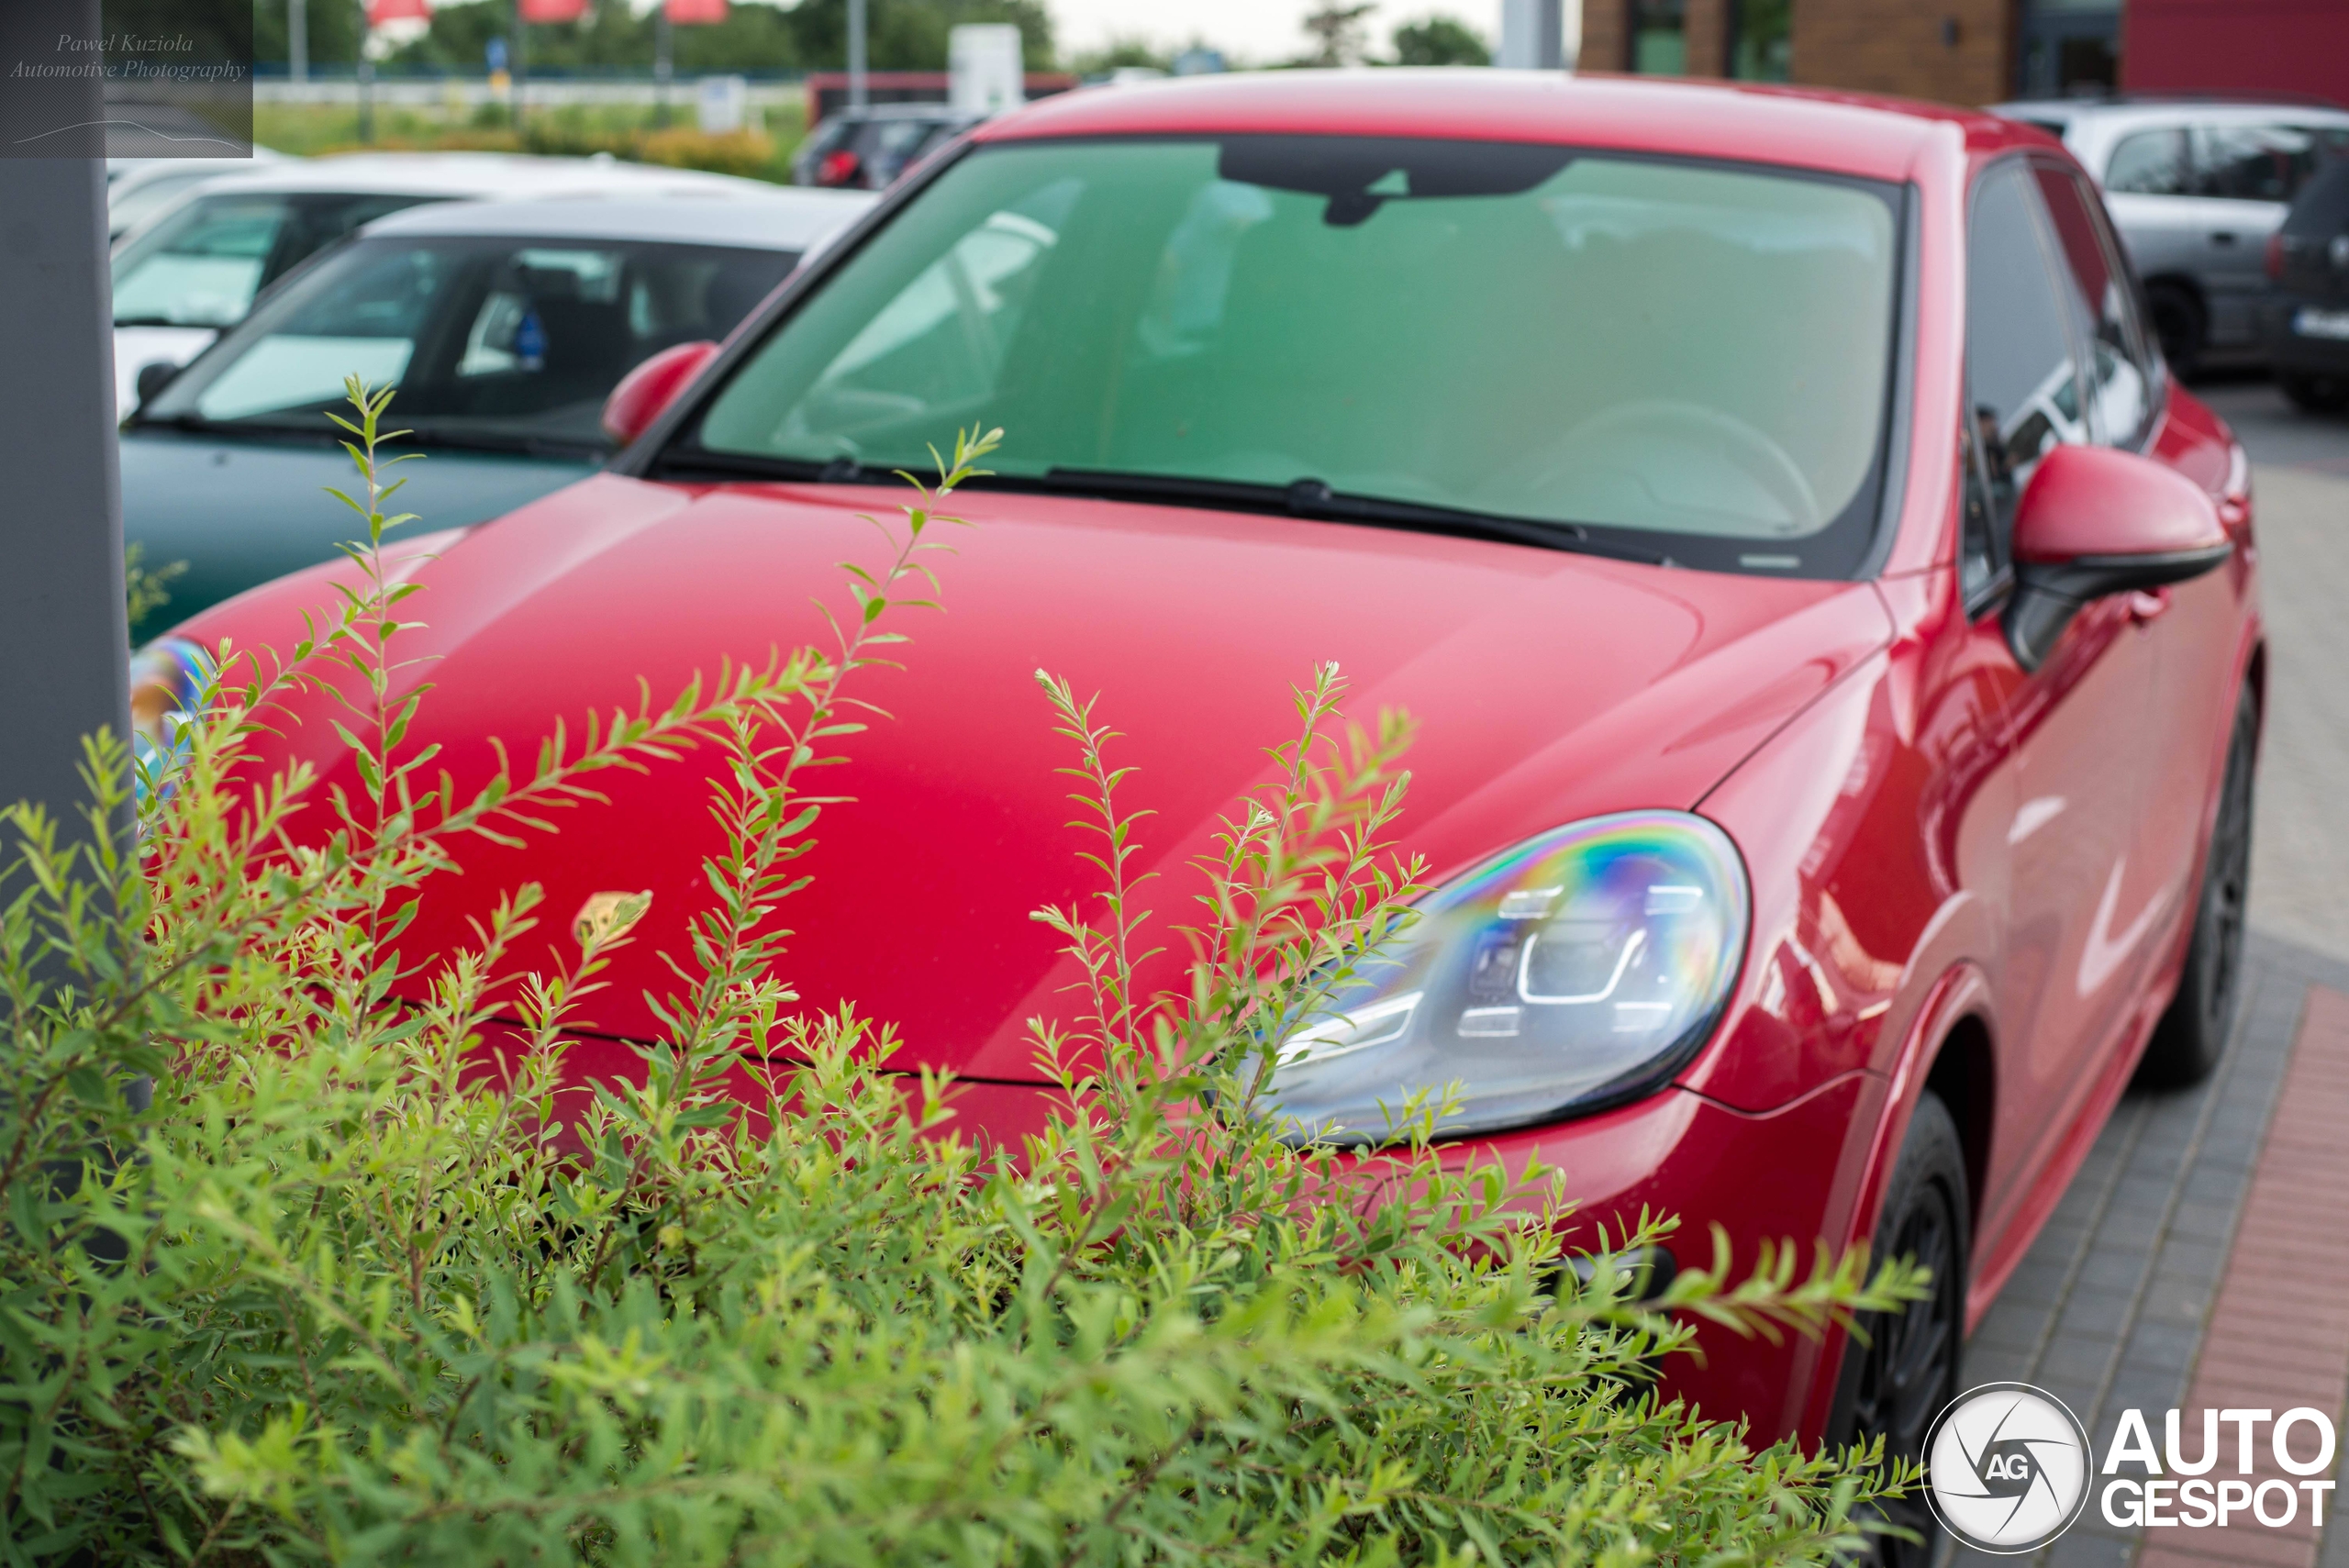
{"type": "Point", "coordinates": [504, 325]}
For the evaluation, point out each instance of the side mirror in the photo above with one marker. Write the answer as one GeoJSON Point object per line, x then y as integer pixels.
{"type": "Point", "coordinates": [2095, 521]}
{"type": "Point", "coordinates": [153, 376]}
{"type": "Point", "coordinates": [645, 391]}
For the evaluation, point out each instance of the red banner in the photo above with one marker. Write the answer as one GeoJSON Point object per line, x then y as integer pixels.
{"type": "Point", "coordinates": [692, 12]}
{"type": "Point", "coordinates": [381, 11]}
{"type": "Point", "coordinates": [552, 10]}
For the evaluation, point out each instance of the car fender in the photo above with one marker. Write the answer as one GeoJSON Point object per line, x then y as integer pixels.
{"type": "Point", "coordinates": [1863, 887]}
{"type": "Point", "coordinates": [1958, 997]}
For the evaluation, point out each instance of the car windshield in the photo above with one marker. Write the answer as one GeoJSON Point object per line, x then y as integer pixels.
{"type": "Point", "coordinates": [1638, 345]}
{"type": "Point", "coordinates": [203, 265]}
{"type": "Point", "coordinates": [505, 342]}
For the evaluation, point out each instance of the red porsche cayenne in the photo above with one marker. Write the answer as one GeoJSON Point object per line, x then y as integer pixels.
{"type": "Point", "coordinates": [1836, 639]}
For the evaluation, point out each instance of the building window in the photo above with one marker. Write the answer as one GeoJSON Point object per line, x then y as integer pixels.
{"type": "Point", "coordinates": [2068, 48]}
{"type": "Point", "coordinates": [1761, 44]}
{"type": "Point", "coordinates": [1659, 38]}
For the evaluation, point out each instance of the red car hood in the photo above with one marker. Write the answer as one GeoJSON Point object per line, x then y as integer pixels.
{"type": "Point", "coordinates": [1549, 686]}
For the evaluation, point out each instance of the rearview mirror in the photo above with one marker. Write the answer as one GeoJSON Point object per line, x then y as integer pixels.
{"type": "Point", "coordinates": [646, 392]}
{"type": "Point", "coordinates": [2096, 522]}
{"type": "Point", "coordinates": [153, 376]}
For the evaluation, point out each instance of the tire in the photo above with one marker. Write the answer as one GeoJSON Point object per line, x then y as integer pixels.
{"type": "Point", "coordinates": [2179, 323]}
{"type": "Point", "coordinates": [2312, 393]}
{"type": "Point", "coordinates": [2187, 1041]}
{"type": "Point", "coordinates": [1906, 1375]}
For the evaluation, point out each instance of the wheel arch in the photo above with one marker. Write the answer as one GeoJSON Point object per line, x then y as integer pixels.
{"type": "Point", "coordinates": [1964, 1075]}
{"type": "Point", "coordinates": [2185, 284]}
{"type": "Point", "coordinates": [1951, 1054]}
{"type": "Point", "coordinates": [2254, 681]}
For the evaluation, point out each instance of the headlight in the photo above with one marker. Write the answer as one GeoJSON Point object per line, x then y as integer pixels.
{"type": "Point", "coordinates": [1571, 972]}
{"type": "Point", "coordinates": [167, 681]}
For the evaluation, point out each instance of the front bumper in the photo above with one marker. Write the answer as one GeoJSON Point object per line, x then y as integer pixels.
{"type": "Point", "coordinates": [1787, 1177]}
{"type": "Point", "coordinates": [2315, 343]}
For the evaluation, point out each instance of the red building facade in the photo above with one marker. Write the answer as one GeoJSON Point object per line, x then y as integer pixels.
{"type": "Point", "coordinates": [2237, 46]}
{"type": "Point", "coordinates": [1979, 52]}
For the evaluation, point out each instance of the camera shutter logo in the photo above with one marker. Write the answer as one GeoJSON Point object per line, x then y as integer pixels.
{"type": "Point", "coordinates": [2006, 1468]}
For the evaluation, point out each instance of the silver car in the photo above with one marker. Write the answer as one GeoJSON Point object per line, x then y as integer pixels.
{"type": "Point", "coordinates": [2195, 187]}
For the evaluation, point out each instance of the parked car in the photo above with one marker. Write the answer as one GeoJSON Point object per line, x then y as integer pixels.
{"type": "Point", "coordinates": [138, 188]}
{"type": "Point", "coordinates": [2196, 188]}
{"type": "Point", "coordinates": [504, 325]}
{"type": "Point", "coordinates": [864, 150]}
{"type": "Point", "coordinates": [2308, 322]}
{"type": "Point", "coordinates": [198, 266]}
{"type": "Point", "coordinates": [1834, 637]}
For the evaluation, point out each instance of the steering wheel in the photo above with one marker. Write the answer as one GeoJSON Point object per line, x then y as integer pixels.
{"type": "Point", "coordinates": [1667, 462]}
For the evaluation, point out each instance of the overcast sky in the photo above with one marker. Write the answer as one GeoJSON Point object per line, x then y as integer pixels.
{"type": "Point", "coordinates": [1251, 29]}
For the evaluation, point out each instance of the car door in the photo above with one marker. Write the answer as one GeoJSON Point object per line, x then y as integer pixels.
{"type": "Point", "coordinates": [2076, 931]}
{"type": "Point", "coordinates": [2149, 184]}
{"type": "Point", "coordinates": [2187, 627]}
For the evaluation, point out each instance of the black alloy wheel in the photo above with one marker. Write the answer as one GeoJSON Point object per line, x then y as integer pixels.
{"type": "Point", "coordinates": [1905, 1375]}
{"type": "Point", "coordinates": [2178, 323]}
{"type": "Point", "coordinates": [2193, 1033]}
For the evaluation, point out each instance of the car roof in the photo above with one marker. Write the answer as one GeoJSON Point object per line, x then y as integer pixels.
{"type": "Point", "coordinates": [130, 174]}
{"type": "Point", "coordinates": [2133, 114]}
{"type": "Point", "coordinates": [478, 174]}
{"type": "Point", "coordinates": [788, 219]}
{"type": "Point", "coordinates": [2094, 127]}
{"type": "Point", "coordinates": [1853, 133]}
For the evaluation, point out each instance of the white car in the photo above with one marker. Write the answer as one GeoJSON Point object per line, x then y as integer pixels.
{"type": "Point", "coordinates": [196, 267]}
{"type": "Point", "coordinates": [139, 188]}
{"type": "Point", "coordinates": [2195, 188]}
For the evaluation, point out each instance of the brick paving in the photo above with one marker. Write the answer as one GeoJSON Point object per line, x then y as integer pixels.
{"type": "Point", "coordinates": [2278, 1336]}
{"type": "Point", "coordinates": [2129, 1299]}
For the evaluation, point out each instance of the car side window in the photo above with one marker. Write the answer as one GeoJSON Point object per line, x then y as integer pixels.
{"type": "Point", "coordinates": [1978, 559]}
{"type": "Point", "coordinates": [2150, 163]}
{"type": "Point", "coordinates": [2118, 367]}
{"type": "Point", "coordinates": [2261, 162]}
{"type": "Point", "coordinates": [2019, 374]}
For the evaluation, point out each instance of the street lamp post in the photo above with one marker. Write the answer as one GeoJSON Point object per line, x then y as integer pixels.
{"type": "Point", "coordinates": [365, 73]}
{"type": "Point", "coordinates": [664, 65]}
{"type": "Point", "coordinates": [856, 54]}
{"type": "Point", "coordinates": [1533, 35]}
{"type": "Point", "coordinates": [521, 63]}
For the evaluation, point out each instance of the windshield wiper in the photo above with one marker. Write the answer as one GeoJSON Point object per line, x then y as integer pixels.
{"type": "Point", "coordinates": [513, 441]}
{"type": "Point", "coordinates": [1305, 498]}
{"type": "Point", "coordinates": [1313, 499]}
{"type": "Point", "coordinates": [323, 434]}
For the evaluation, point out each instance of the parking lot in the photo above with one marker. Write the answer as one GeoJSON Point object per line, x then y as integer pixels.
{"type": "Point", "coordinates": [2195, 1261]}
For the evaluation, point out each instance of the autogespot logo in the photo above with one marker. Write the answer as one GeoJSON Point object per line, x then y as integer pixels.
{"type": "Point", "coordinates": [2006, 1468]}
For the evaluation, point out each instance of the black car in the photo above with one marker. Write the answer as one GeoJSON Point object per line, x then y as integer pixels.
{"type": "Point", "coordinates": [864, 150]}
{"type": "Point", "coordinates": [2308, 325]}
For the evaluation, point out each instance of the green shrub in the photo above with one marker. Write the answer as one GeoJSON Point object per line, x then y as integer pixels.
{"type": "Point", "coordinates": [337, 1297]}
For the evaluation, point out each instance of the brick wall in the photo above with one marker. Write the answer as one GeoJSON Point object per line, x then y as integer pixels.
{"type": "Point", "coordinates": [1707, 30]}
{"type": "Point", "coordinates": [1606, 32]}
{"type": "Point", "coordinates": [1869, 46]}
{"type": "Point", "coordinates": [1901, 47]}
